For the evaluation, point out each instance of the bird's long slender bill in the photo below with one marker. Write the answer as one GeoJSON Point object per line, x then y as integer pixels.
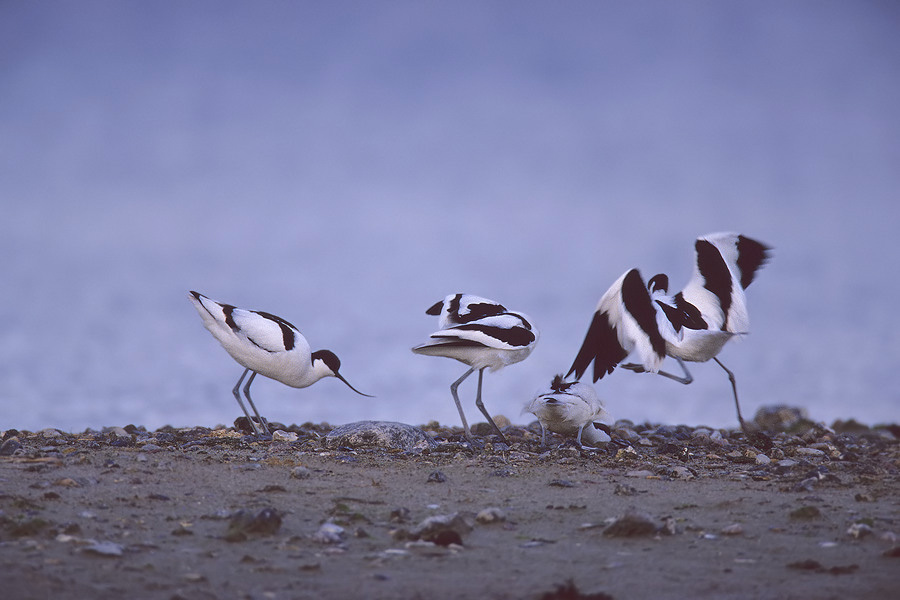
{"type": "Point", "coordinates": [341, 377]}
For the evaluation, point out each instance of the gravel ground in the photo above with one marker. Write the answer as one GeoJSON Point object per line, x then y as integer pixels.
{"type": "Point", "coordinates": [661, 511]}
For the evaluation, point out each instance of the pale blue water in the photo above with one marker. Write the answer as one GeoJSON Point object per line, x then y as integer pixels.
{"type": "Point", "coordinates": [345, 165]}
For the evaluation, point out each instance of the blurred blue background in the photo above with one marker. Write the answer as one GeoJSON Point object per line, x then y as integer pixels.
{"type": "Point", "coordinates": [347, 164]}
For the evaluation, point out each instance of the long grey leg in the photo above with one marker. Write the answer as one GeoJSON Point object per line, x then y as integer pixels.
{"type": "Point", "coordinates": [262, 421]}
{"type": "Point", "coordinates": [237, 396]}
{"type": "Point", "coordinates": [687, 375]}
{"type": "Point", "coordinates": [459, 407]}
{"type": "Point", "coordinates": [640, 369]}
{"type": "Point", "coordinates": [484, 411]}
{"type": "Point", "coordinates": [734, 389]}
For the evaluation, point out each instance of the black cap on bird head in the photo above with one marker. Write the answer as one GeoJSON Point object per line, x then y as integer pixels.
{"type": "Point", "coordinates": [334, 364]}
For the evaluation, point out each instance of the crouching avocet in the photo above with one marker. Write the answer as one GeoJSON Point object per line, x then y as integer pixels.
{"type": "Point", "coordinates": [571, 408]}
{"type": "Point", "coordinates": [693, 325]}
{"type": "Point", "coordinates": [490, 342]}
{"type": "Point", "coordinates": [268, 345]}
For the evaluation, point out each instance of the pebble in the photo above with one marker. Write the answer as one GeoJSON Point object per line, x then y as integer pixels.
{"type": "Point", "coordinates": [639, 473]}
{"type": "Point", "coordinates": [762, 459]}
{"type": "Point", "coordinates": [491, 514]}
{"type": "Point", "coordinates": [244, 523]}
{"type": "Point", "coordinates": [104, 549]}
{"type": "Point", "coordinates": [443, 529]}
{"type": "Point", "coordinates": [632, 524]}
{"type": "Point", "coordinates": [9, 447]}
{"type": "Point", "coordinates": [682, 472]}
{"type": "Point", "coordinates": [379, 434]}
{"type": "Point", "coordinates": [284, 436]}
{"type": "Point", "coordinates": [329, 533]}
{"type": "Point", "coordinates": [733, 529]}
{"type": "Point", "coordinates": [808, 452]}
{"type": "Point", "coordinates": [859, 530]}
{"type": "Point", "coordinates": [301, 473]}
{"type": "Point", "coordinates": [437, 477]}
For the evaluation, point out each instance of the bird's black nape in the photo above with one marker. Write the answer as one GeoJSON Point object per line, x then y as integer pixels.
{"type": "Point", "coordinates": [659, 282]}
{"type": "Point", "coordinates": [328, 357]}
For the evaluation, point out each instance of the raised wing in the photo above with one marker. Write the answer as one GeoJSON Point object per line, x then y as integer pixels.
{"type": "Point", "coordinates": [625, 320]}
{"type": "Point", "coordinates": [726, 263]}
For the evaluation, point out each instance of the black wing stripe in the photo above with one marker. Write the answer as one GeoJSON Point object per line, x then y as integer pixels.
{"type": "Point", "coordinates": [683, 314]}
{"type": "Point", "coordinates": [228, 309]}
{"type": "Point", "coordinates": [601, 346]}
{"type": "Point", "coordinates": [515, 336]}
{"type": "Point", "coordinates": [287, 330]}
{"type": "Point", "coordinates": [452, 343]}
{"type": "Point", "coordinates": [751, 256]}
{"type": "Point", "coordinates": [716, 276]}
{"type": "Point", "coordinates": [252, 341]}
{"type": "Point", "coordinates": [637, 302]}
{"type": "Point", "coordinates": [482, 310]}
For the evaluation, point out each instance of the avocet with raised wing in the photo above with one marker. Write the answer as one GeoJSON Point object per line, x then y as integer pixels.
{"type": "Point", "coordinates": [693, 325]}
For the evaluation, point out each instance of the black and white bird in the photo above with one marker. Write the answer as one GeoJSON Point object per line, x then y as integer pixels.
{"type": "Point", "coordinates": [571, 408]}
{"type": "Point", "coordinates": [493, 341]}
{"type": "Point", "coordinates": [266, 345]}
{"type": "Point", "coordinates": [693, 325]}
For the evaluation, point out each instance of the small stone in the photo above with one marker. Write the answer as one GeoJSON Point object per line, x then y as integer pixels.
{"type": "Point", "coordinates": [443, 530]}
{"type": "Point", "coordinates": [490, 515]}
{"type": "Point", "coordinates": [859, 530]}
{"type": "Point", "coordinates": [436, 477]}
{"type": "Point", "coordinates": [50, 433]}
{"type": "Point", "coordinates": [632, 524]}
{"type": "Point", "coordinates": [9, 447]}
{"type": "Point", "coordinates": [682, 472]}
{"type": "Point", "coordinates": [66, 482]}
{"type": "Point", "coordinates": [104, 549]}
{"type": "Point", "coordinates": [284, 436]}
{"type": "Point", "coordinates": [399, 515]}
{"type": "Point", "coordinates": [806, 513]}
{"type": "Point", "coordinates": [301, 473]}
{"type": "Point", "coordinates": [808, 452]}
{"type": "Point", "coordinates": [329, 533]}
{"type": "Point", "coordinates": [152, 448]}
{"type": "Point", "coordinates": [762, 459]}
{"type": "Point", "coordinates": [243, 523]}
{"type": "Point", "coordinates": [564, 483]}
{"type": "Point", "coordinates": [643, 473]}
{"type": "Point", "coordinates": [733, 529]}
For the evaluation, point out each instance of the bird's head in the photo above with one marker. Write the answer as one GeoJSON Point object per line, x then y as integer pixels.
{"type": "Point", "coordinates": [332, 365]}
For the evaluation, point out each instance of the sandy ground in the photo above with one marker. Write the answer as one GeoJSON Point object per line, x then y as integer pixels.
{"type": "Point", "coordinates": [662, 513]}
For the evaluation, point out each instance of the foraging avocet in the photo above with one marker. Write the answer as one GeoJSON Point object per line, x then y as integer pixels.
{"type": "Point", "coordinates": [493, 341]}
{"type": "Point", "coordinates": [571, 407]}
{"type": "Point", "coordinates": [457, 309]}
{"type": "Point", "coordinates": [693, 325]}
{"type": "Point", "coordinates": [268, 345]}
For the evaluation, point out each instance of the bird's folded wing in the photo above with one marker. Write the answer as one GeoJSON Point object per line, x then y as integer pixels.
{"type": "Point", "coordinates": [264, 330]}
